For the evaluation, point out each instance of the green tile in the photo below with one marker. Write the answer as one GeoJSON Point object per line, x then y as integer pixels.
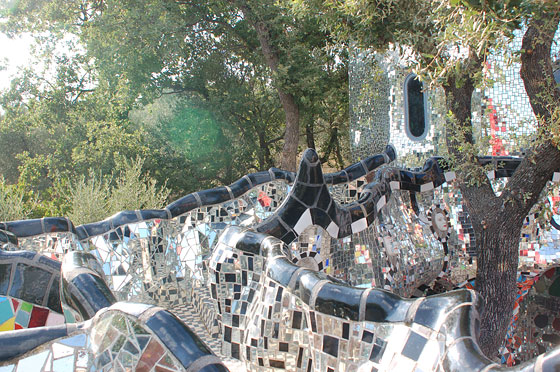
{"type": "Point", "coordinates": [26, 306]}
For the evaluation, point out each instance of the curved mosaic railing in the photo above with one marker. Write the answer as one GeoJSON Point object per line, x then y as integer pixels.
{"type": "Point", "coordinates": [152, 263]}
{"type": "Point", "coordinates": [298, 319]}
{"type": "Point", "coordinates": [116, 335]}
{"type": "Point", "coordinates": [148, 257]}
{"type": "Point", "coordinates": [25, 228]}
{"type": "Point", "coordinates": [29, 291]}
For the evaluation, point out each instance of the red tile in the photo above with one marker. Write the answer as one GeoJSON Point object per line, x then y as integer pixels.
{"type": "Point", "coordinates": [150, 357]}
{"type": "Point", "coordinates": [39, 317]}
{"type": "Point", "coordinates": [163, 369]}
{"type": "Point", "coordinates": [16, 304]}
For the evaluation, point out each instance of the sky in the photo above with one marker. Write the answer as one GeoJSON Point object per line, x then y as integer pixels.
{"type": "Point", "coordinates": [13, 53]}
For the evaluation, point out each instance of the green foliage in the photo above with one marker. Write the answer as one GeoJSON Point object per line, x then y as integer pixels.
{"type": "Point", "coordinates": [191, 94]}
{"type": "Point", "coordinates": [87, 199]}
{"type": "Point", "coordinates": [14, 203]}
{"type": "Point", "coordinates": [95, 197]}
{"type": "Point", "coordinates": [135, 190]}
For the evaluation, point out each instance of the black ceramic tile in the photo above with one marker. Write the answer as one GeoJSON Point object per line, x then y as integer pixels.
{"type": "Point", "coordinates": [355, 171]}
{"type": "Point", "coordinates": [377, 350]}
{"type": "Point", "coordinates": [5, 273]}
{"type": "Point", "coordinates": [414, 346]}
{"type": "Point", "coordinates": [297, 317]}
{"type": "Point", "coordinates": [124, 217]}
{"type": "Point", "coordinates": [94, 292]}
{"type": "Point", "coordinates": [306, 281]}
{"type": "Point", "coordinates": [290, 212]}
{"type": "Point", "coordinates": [177, 337]}
{"type": "Point", "coordinates": [456, 356]}
{"type": "Point", "coordinates": [30, 283]}
{"type": "Point", "coordinates": [356, 213]}
{"type": "Point", "coordinates": [272, 226]}
{"type": "Point", "coordinates": [57, 224]}
{"type": "Point", "coordinates": [283, 175]}
{"type": "Point", "coordinates": [281, 271]}
{"type": "Point", "coordinates": [433, 308]}
{"type": "Point", "coordinates": [383, 306]}
{"type": "Point", "coordinates": [251, 242]}
{"type": "Point", "coordinates": [367, 337]}
{"type": "Point", "coordinates": [97, 228]}
{"type": "Point", "coordinates": [259, 178]}
{"type": "Point", "coordinates": [336, 178]}
{"type": "Point", "coordinates": [306, 194]}
{"type": "Point", "coordinates": [53, 301]}
{"type": "Point", "coordinates": [8, 237]}
{"type": "Point", "coordinates": [320, 218]}
{"type": "Point", "coordinates": [18, 343]}
{"type": "Point", "coordinates": [240, 187]}
{"type": "Point", "coordinates": [330, 345]}
{"type": "Point", "coordinates": [214, 196]}
{"type": "Point", "coordinates": [340, 301]}
{"type": "Point", "coordinates": [25, 227]}
{"type": "Point", "coordinates": [182, 205]}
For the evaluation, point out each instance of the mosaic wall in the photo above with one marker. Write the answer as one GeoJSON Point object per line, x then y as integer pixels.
{"type": "Point", "coordinates": [378, 108]}
{"type": "Point", "coordinates": [501, 111]}
{"type": "Point", "coordinates": [29, 294]}
{"type": "Point", "coordinates": [536, 318]}
{"type": "Point", "coordinates": [114, 336]}
{"type": "Point", "coordinates": [277, 274]}
{"type": "Point", "coordinates": [501, 114]}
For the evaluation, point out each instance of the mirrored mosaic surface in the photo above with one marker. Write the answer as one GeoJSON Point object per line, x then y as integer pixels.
{"type": "Point", "coordinates": [310, 283]}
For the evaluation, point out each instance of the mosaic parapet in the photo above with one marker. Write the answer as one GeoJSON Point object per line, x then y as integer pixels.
{"type": "Point", "coordinates": [535, 324]}
{"type": "Point", "coordinates": [267, 304]}
{"type": "Point", "coordinates": [433, 174]}
{"type": "Point", "coordinates": [310, 203]}
{"type": "Point", "coordinates": [86, 293]}
{"type": "Point", "coordinates": [25, 228]}
{"type": "Point", "coordinates": [290, 317]}
{"type": "Point", "coordinates": [32, 281]}
{"type": "Point", "coordinates": [125, 336]}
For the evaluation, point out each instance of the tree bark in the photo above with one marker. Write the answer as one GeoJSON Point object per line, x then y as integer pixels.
{"type": "Point", "coordinates": [497, 221]}
{"type": "Point", "coordinates": [288, 159]}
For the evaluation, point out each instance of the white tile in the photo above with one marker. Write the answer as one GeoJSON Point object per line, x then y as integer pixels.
{"type": "Point", "coordinates": [60, 351]}
{"type": "Point", "coordinates": [332, 229]}
{"type": "Point", "coordinates": [54, 319]}
{"type": "Point", "coordinates": [303, 222]}
{"type": "Point", "coordinates": [381, 202]}
{"type": "Point", "coordinates": [427, 187]}
{"type": "Point", "coordinates": [359, 225]}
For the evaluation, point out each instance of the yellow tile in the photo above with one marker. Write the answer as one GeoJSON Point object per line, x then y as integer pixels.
{"type": "Point", "coordinates": [8, 325]}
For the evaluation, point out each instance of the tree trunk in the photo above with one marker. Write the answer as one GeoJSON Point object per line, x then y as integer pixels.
{"type": "Point", "coordinates": [291, 137]}
{"type": "Point", "coordinates": [288, 159]}
{"type": "Point", "coordinates": [536, 67]}
{"type": "Point", "coordinates": [496, 265]}
{"type": "Point", "coordinates": [497, 260]}
{"type": "Point", "coordinates": [497, 221]}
